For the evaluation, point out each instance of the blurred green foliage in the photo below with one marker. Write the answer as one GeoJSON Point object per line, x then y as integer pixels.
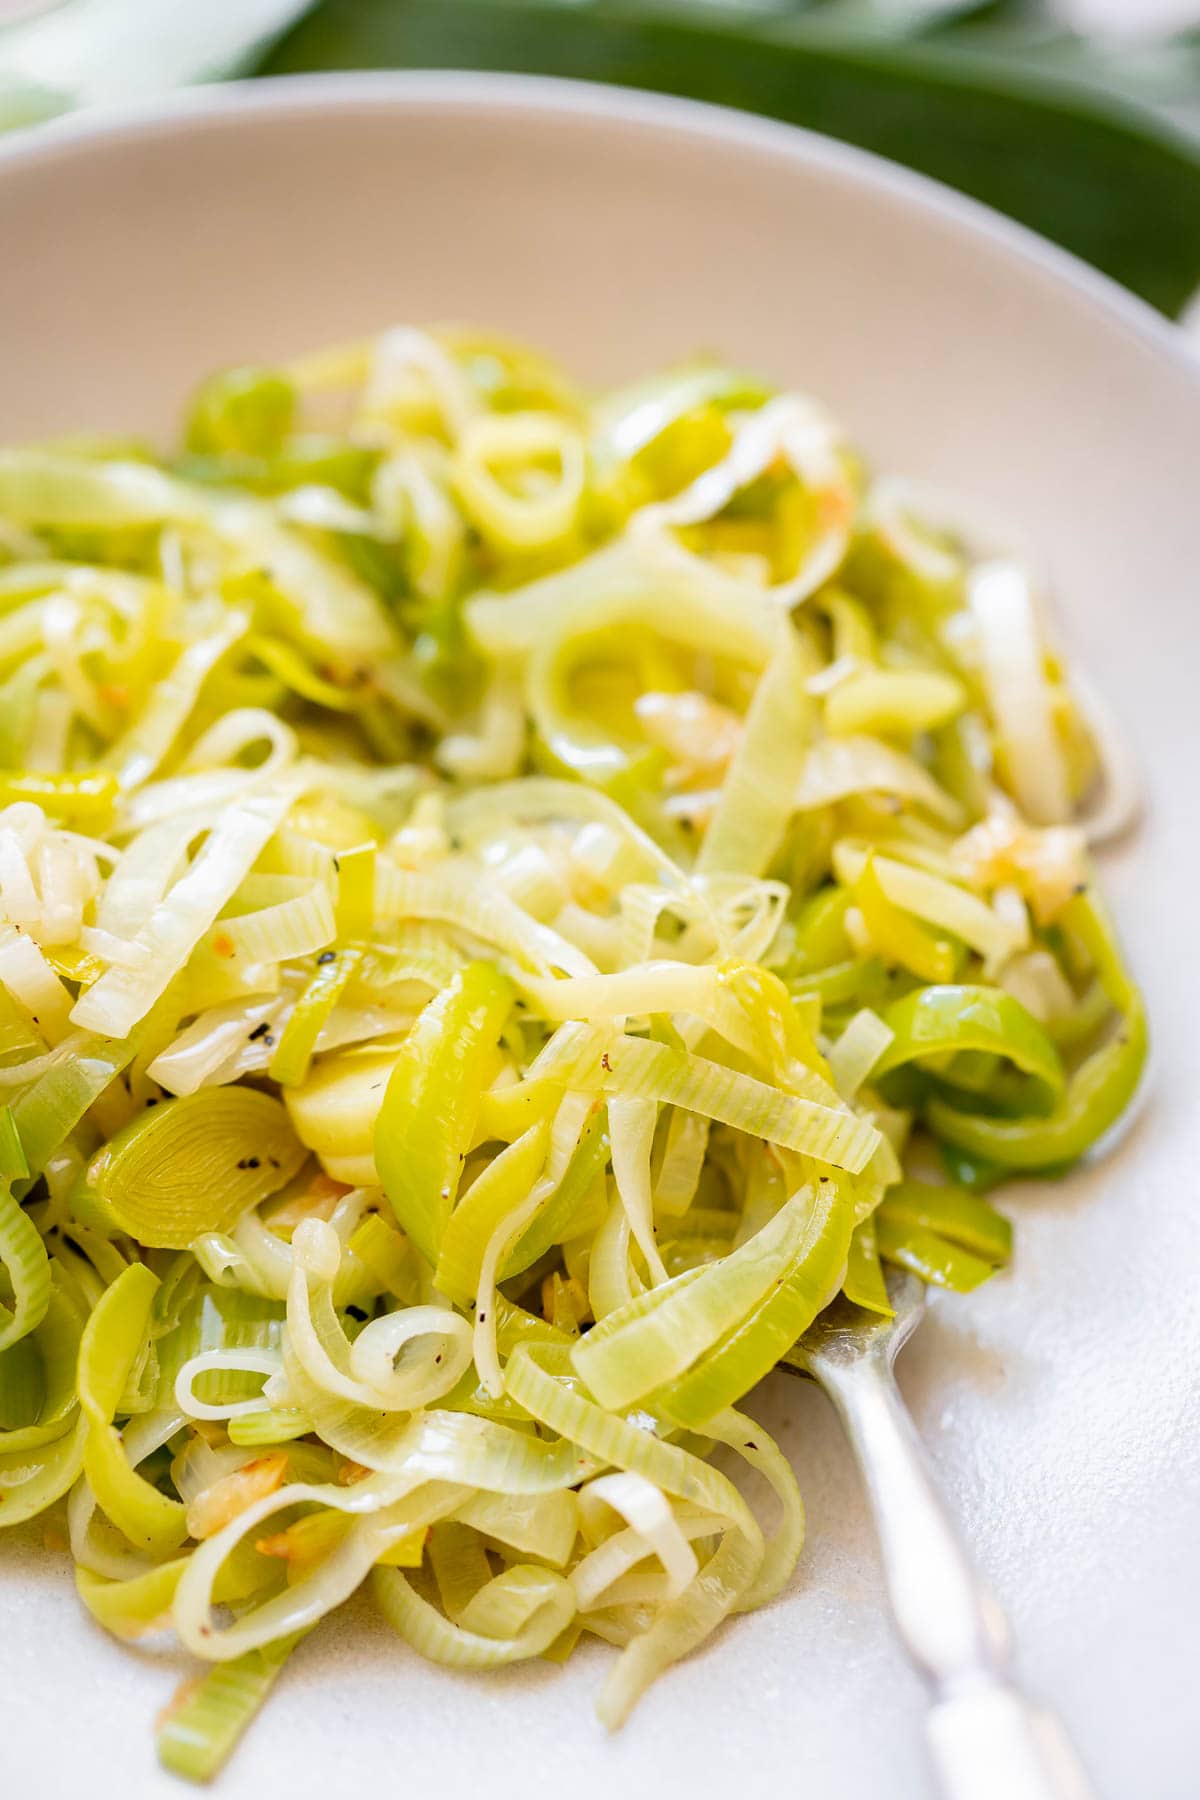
{"type": "Point", "coordinates": [1096, 147]}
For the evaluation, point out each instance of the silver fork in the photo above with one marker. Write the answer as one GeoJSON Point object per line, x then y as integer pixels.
{"type": "Point", "coordinates": [986, 1741]}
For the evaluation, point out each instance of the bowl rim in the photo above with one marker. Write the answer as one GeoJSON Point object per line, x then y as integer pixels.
{"type": "Point", "coordinates": [586, 102]}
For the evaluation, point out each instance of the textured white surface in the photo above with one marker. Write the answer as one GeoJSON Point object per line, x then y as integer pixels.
{"type": "Point", "coordinates": [1059, 1404]}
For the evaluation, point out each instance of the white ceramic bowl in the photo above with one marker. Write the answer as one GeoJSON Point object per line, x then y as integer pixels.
{"type": "Point", "coordinates": [1059, 1404]}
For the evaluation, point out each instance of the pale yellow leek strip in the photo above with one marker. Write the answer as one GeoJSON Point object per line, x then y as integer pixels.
{"type": "Point", "coordinates": [1013, 661]}
{"type": "Point", "coordinates": [646, 1512]}
{"type": "Point", "coordinates": [683, 1161]}
{"type": "Point", "coordinates": [612, 1282]}
{"type": "Point", "coordinates": [518, 1615]}
{"type": "Point", "coordinates": [758, 794]}
{"type": "Point", "coordinates": [407, 369]}
{"type": "Point", "coordinates": [631, 1124]}
{"type": "Point", "coordinates": [894, 702]}
{"type": "Point", "coordinates": [124, 994]}
{"type": "Point", "coordinates": [291, 928]}
{"type": "Point", "coordinates": [463, 898]}
{"type": "Point", "coordinates": [759, 1450]}
{"type": "Point", "coordinates": [367, 1373]}
{"type": "Point", "coordinates": [32, 983]}
{"type": "Point", "coordinates": [936, 901]}
{"type": "Point", "coordinates": [649, 987]}
{"type": "Point", "coordinates": [856, 1052]}
{"type": "Point", "coordinates": [791, 428]}
{"type": "Point", "coordinates": [443, 1445]}
{"type": "Point", "coordinates": [490, 1202]}
{"type": "Point", "coordinates": [506, 1234]}
{"type": "Point", "coordinates": [497, 451]}
{"type": "Point", "coordinates": [541, 799]}
{"type": "Point", "coordinates": [138, 752]}
{"type": "Point", "coordinates": [543, 1525]}
{"type": "Point", "coordinates": [646, 581]}
{"type": "Point", "coordinates": [592, 1060]}
{"type": "Point", "coordinates": [836, 768]}
{"type": "Point", "coordinates": [383, 1509]}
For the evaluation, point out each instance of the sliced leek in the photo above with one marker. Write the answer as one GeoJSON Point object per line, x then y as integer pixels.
{"type": "Point", "coordinates": [499, 887]}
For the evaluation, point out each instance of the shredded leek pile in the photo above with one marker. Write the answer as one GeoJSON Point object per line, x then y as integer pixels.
{"type": "Point", "coordinates": [509, 904]}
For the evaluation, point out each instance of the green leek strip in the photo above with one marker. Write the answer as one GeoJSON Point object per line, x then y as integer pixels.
{"type": "Point", "coordinates": [273, 1425]}
{"type": "Point", "coordinates": [427, 1120]}
{"type": "Point", "coordinates": [14, 1164]}
{"type": "Point", "coordinates": [131, 1607]}
{"type": "Point", "coordinates": [22, 1390]}
{"type": "Point", "coordinates": [756, 1345]}
{"type": "Point", "coordinates": [940, 1019]}
{"type": "Point", "coordinates": [112, 1339]}
{"type": "Point", "coordinates": [214, 1319]}
{"type": "Point", "coordinates": [758, 793]}
{"type": "Point", "coordinates": [48, 1112]}
{"type": "Point", "coordinates": [387, 1256]}
{"type": "Point", "coordinates": [562, 1215]}
{"type": "Point", "coordinates": [197, 1737]}
{"type": "Point", "coordinates": [1097, 1094]}
{"type": "Point", "coordinates": [18, 1038]}
{"type": "Point", "coordinates": [930, 1256]}
{"type": "Point", "coordinates": [953, 1213]}
{"type": "Point", "coordinates": [861, 982]}
{"type": "Point", "coordinates": [593, 1060]}
{"type": "Point", "coordinates": [864, 1284]}
{"type": "Point", "coordinates": [84, 799]}
{"type": "Point", "coordinates": [665, 1330]}
{"type": "Point", "coordinates": [55, 1343]}
{"type": "Point", "coordinates": [355, 905]}
{"type": "Point", "coordinates": [507, 1181]}
{"type": "Point", "coordinates": [293, 1054]}
{"type": "Point", "coordinates": [1098, 1091]}
{"type": "Point", "coordinates": [544, 1525]}
{"type": "Point", "coordinates": [196, 1164]}
{"type": "Point", "coordinates": [24, 1260]}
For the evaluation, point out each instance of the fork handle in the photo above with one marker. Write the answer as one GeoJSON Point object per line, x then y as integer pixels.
{"type": "Point", "coordinates": [990, 1744]}
{"type": "Point", "coordinates": [987, 1743]}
